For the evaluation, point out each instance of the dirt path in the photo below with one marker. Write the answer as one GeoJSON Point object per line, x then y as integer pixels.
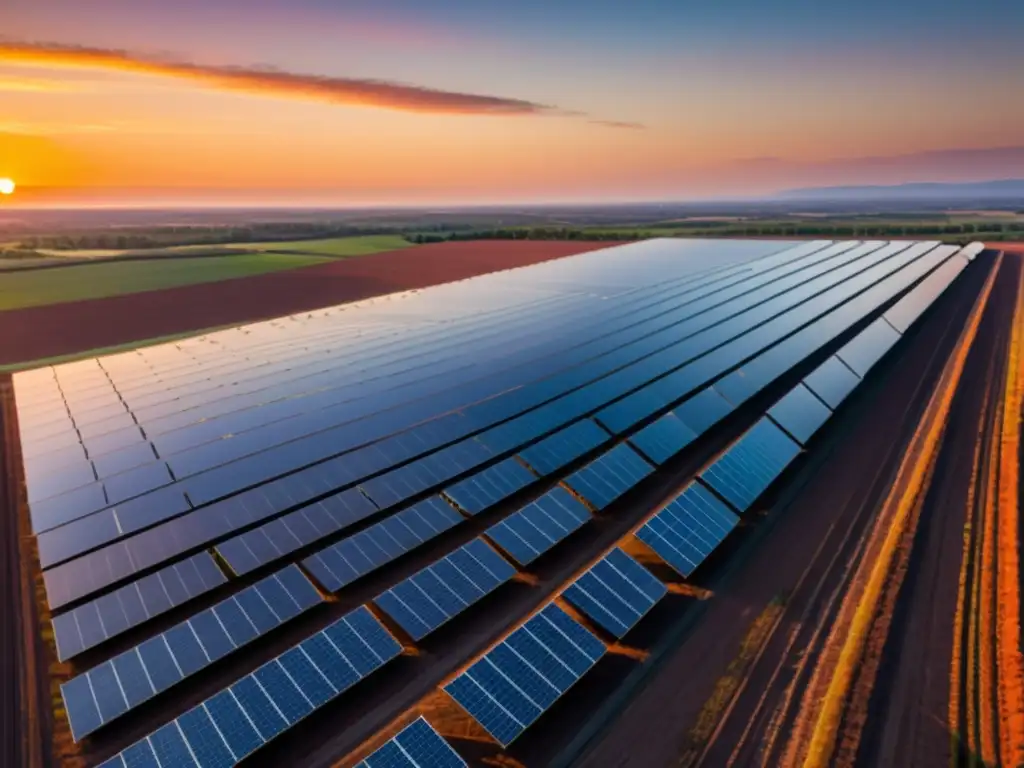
{"type": "Point", "coordinates": [36, 333]}
{"type": "Point", "coordinates": [24, 703]}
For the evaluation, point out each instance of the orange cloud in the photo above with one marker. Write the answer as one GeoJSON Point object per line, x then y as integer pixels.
{"type": "Point", "coordinates": [339, 90]}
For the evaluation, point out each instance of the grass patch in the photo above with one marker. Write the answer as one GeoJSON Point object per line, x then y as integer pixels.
{"type": "Point", "coordinates": [94, 281]}
{"type": "Point", "coordinates": [334, 246]}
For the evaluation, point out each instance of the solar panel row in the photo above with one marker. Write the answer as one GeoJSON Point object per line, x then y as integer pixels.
{"type": "Point", "coordinates": [283, 535]}
{"type": "Point", "coordinates": [800, 413]}
{"type": "Point", "coordinates": [751, 464]}
{"type": "Point", "coordinates": [223, 451]}
{"type": "Point", "coordinates": [489, 486]}
{"type": "Point", "coordinates": [663, 438]}
{"type": "Point", "coordinates": [609, 476]}
{"type": "Point", "coordinates": [95, 698]}
{"type": "Point", "coordinates": [564, 446]}
{"type": "Point", "coordinates": [351, 558]}
{"type": "Point", "coordinates": [616, 592]}
{"type": "Point", "coordinates": [416, 746]}
{"type": "Point", "coordinates": [55, 578]}
{"type": "Point", "coordinates": [101, 619]}
{"type": "Point", "coordinates": [508, 689]}
{"type": "Point", "coordinates": [432, 596]}
{"type": "Point", "coordinates": [539, 526]}
{"type": "Point", "coordinates": [688, 529]}
{"type": "Point", "coordinates": [240, 719]}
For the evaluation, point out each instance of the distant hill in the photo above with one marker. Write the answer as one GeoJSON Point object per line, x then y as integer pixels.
{"type": "Point", "coordinates": [979, 190]}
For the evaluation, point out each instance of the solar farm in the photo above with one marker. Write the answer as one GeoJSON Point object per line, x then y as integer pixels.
{"type": "Point", "coordinates": [537, 516]}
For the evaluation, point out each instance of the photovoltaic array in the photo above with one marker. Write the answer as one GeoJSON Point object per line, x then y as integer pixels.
{"type": "Point", "coordinates": [337, 442]}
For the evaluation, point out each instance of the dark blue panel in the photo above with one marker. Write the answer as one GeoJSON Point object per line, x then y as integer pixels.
{"type": "Point", "coordinates": [703, 410]}
{"type": "Point", "coordinates": [522, 552]}
{"type": "Point", "coordinates": [258, 706]}
{"type": "Point", "coordinates": [609, 476]}
{"type": "Point", "coordinates": [800, 413]}
{"type": "Point", "coordinates": [868, 347]}
{"type": "Point", "coordinates": [257, 610]}
{"type": "Point", "coordinates": [832, 381]}
{"type": "Point", "coordinates": [541, 658]}
{"type": "Point", "coordinates": [426, 747]}
{"type": "Point", "coordinates": [554, 452]}
{"type": "Point", "coordinates": [538, 690]}
{"type": "Point", "coordinates": [475, 700]}
{"type": "Point", "coordinates": [664, 438]}
{"type": "Point", "coordinates": [80, 704]}
{"type": "Point", "coordinates": [160, 664]}
{"type": "Point", "coordinates": [484, 489]}
{"type": "Point", "coordinates": [330, 662]}
{"type": "Point", "coordinates": [283, 692]}
{"type": "Point", "coordinates": [305, 675]}
{"type": "Point", "coordinates": [502, 690]}
{"type": "Point", "coordinates": [206, 743]}
{"type": "Point", "coordinates": [186, 649]}
{"type": "Point", "coordinates": [237, 624]}
{"type": "Point", "coordinates": [169, 746]}
{"type": "Point", "coordinates": [686, 531]}
{"type": "Point", "coordinates": [107, 690]}
{"type": "Point", "coordinates": [142, 755]}
{"type": "Point", "coordinates": [133, 678]}
{"type": "Point", "coordinates": [299, 587]}
{"type": "Point", "coordinates": [746, 470]}
{"type": "Point", "coordinates": [356, 652]}
{"type": "Point", "coordinates": [211, 634]}
{"type": "Point", "coordinates": [238, 732]}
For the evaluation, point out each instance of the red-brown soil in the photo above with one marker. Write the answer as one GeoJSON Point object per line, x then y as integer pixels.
{"type": "Point", "coordinates": [35, 333]}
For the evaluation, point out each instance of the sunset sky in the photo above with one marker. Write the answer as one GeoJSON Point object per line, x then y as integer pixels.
{"type": "Point", "coordinates": [409, 101]}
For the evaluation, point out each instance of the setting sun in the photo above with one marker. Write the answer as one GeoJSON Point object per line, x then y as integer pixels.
{"type": "Point", "coordinates": [6, 187]}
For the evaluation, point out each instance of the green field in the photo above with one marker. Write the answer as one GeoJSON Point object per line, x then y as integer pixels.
{"type": "Point", "coordinates": [93, 281]}
{"type": "Point", "coordinates": [335, 246]}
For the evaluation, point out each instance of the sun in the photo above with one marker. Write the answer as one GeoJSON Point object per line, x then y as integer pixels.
{"type": "Point", "coordinates": [7, 187]}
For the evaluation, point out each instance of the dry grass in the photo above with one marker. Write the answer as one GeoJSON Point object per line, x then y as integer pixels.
{"type": "Point", "coordinates": [1008, 654]}
{"type": "Point", "coordinates": [910, 481]}
{"type": "Point", "coordinates": [728, 685]}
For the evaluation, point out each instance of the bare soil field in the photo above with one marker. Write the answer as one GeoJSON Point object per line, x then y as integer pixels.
{"type": "Point", "coordinates": [37, 333]}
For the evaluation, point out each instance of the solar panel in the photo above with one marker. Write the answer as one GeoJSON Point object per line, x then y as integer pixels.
{"type": "Point", "coordinates": [868, 347]}
{"type": "Point", "coordinates": [703, 410]}
{"type": "Point", "coordinates": [609, 476]}
{"type": "Point", "coordinates": [416, 746]}
{"type": "Point", "coordinates": [150, 548]}
{"type": "Point", "coordinates": [751, 464]}
{"type": "Point", "coordinates": [688, 529]}
{"type": "Point", "coordinates": [284, 535]}
{"type": "Point", "coordinates": [238, 720]}
{"type": "Point", "coordinates": [800, 413]}
{"type": "Point", "coordinates": [354, 557]}
{"type": "Point", "coordinates": [527, 534]}
{"type": "Point", "coordinates": [905, 312]}
{"type": "Point", "coordinates": [97, 621]}
{"type": "Point", "coordinates": [832, 381]}
{"type": "Point", "coordinates": [563, 447]}
{"type": "Point", "coordinates": [662, 439]}
{"type": "Point", "coordinates": [508, 689]}
{"type": "Point", "coordinates": [144, 671]}
{"type": "Point", "coordinates": [616, 593]}
{"type": "Point", "coordinates": [441, 591]}
{"type": "Point", "coordinates": [489, 486]}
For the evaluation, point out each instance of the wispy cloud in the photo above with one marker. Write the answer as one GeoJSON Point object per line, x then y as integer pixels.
{"type": "Point", "coordinates": [620, 124]}
{"type": "Point", "coordinates": [36, 85]}
{"type": "Point", "coordinates": [273, 82]}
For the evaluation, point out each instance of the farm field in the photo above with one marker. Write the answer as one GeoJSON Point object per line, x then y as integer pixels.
{"type": "Point", "coordinates": [795, 540]}
{"type": "Point", "coordinates": [361, 245]}
{"type": "Point", "coordinates": [34, 288]}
